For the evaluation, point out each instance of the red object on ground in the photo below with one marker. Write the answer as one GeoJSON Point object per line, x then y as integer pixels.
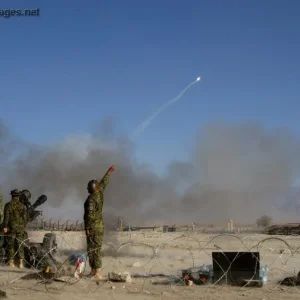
{"type": "Point", "coordinates": [79, 261]}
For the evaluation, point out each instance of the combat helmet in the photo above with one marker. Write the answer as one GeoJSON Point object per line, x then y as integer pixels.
{"type": "Point", "coordinates": [15, 193]}
{"type": "Point", "coordinates": [27, 194]}
{"type": "Point", "coordinates": [92, 186]}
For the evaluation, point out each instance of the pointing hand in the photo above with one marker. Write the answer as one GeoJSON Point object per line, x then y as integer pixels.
{"type": "Point", "coordinates": [111, 169]}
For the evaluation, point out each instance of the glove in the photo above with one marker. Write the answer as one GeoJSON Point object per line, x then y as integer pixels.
{"type": "Point", "coordinates": [111, 169]}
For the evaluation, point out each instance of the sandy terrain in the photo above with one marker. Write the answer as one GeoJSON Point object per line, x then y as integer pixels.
{"type": "Point", "coordinates": [167, 253]}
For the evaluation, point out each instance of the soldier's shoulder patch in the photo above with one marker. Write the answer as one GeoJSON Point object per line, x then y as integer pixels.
{"type": "Point", "coordinates": [91, 206]}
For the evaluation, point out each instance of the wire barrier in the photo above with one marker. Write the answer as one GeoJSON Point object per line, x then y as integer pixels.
{"type": "Point", "coordinates": [151, 265]}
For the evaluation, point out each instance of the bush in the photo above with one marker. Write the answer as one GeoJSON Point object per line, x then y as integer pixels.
{"type": "Point", "coordinates": [264, 221]}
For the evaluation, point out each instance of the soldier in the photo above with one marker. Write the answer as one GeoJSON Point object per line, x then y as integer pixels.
{"type": "Point", "coordinates": [1, 208]}
{"type": "Point", "coordinates": [2, 238]}
{"type": "Point", "coordinates": [5, 242]}
{"type": "Point", "coordinates": [25, 200]}
{"type": "Point", "coordinates": [93, 221]}
{"type": "Point", "coordinates": [15, 219]}
{"type": "Point", "coordinates": [25, 196]}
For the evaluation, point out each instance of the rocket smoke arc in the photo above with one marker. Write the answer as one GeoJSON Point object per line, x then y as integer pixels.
{"type": "Point", "coordinates": [233, 172]}
{"type": "Point", "coordinates": [140, 129]}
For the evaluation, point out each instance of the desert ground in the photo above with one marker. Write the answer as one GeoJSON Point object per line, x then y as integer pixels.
{"type": "Point", "coordinates": [164, 254]}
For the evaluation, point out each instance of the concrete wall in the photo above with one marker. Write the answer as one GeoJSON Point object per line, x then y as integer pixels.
{"type": "Point", "coordinates": [66, 240]}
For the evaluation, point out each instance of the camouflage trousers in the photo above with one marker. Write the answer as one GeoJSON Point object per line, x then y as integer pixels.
{"type": "Point", "coordinates": [94, 245]}
{"type": "Point", "coordinates": [15, 245]}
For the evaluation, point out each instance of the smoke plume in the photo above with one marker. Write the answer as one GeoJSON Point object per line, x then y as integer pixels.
{"type": "Point", "coordinates": [233, 172]}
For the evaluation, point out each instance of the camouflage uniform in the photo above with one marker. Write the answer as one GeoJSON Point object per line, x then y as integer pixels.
{"type": "Point", "coordinates": [1, 208]}
{"type": "Point", "coordinates": [93, 222]}
{"type": "Point", "coordinates": [2, 238]}
{"type": "Point", "coordinates": [15, 219]}
{"type": "Point", "coordinates": [5, 242]}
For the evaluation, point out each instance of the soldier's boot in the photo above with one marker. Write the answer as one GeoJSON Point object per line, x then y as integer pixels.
{"type": "Point", "coordinates": [97, 275]}
{"type": "Point", "coordinates": [92, 273]}
{"type": "Point", "coordinates": [11, 263]}
{"type": "Point", "coordinates": [21, 265]}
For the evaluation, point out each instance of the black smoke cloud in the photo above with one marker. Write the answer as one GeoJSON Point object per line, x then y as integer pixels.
{"type": "Point", "coordinates": [233, 172]}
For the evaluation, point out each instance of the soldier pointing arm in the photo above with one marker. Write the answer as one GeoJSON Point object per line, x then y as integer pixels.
{"type": "Point", "coordinates": [93, 221]}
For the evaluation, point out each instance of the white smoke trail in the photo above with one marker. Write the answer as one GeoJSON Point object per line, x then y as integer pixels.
{"type": "Point", "coordinates": [148, 121]}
